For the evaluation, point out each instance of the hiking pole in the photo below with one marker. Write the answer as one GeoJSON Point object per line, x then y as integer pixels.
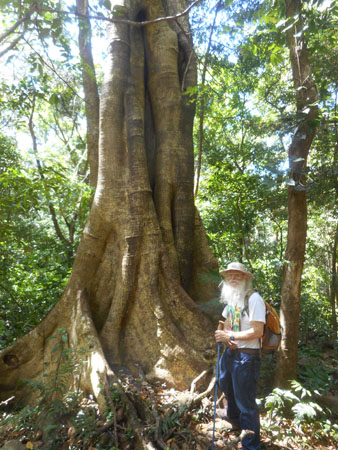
{"type": "Point", "coordinates": [220, 327]}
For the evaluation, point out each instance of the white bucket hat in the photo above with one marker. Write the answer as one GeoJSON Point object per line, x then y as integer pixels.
{"type": "Point", "coordinates": [239, 267]}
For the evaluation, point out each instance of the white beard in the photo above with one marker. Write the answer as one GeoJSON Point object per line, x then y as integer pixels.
{"type": "Point", "coordinates": [234, 296]}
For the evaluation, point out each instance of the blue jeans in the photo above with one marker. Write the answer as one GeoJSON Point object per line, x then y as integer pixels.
{"type": "Point", "coordinates": [238, 378]}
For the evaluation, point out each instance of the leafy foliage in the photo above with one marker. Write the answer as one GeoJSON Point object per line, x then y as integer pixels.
{"type": "Point", "coordinates": [297, 404]}
{"type": "Point", "coordinates": [34, 262]}
{"type": "Point", "coordinates": [249, 119]}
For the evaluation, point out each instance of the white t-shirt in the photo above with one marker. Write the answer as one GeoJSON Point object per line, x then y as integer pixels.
{"type": "Point", "coordinates": [256, 314]}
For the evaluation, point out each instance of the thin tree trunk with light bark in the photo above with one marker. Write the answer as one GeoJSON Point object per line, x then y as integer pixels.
{"type": "Point", "coordinates": [92, 101]}
{"type": "Point", "coordinates": [306, 117]}
{"type": "Point", "coordinates": [334, 284]}
{"type": "Point", "coordinates": [334, 275]}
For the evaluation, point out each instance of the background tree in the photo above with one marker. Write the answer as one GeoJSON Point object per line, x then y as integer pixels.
{"type": "Point", "coordinates": [307, 120]}
{"type": "Point", "coordinates": [259, 61]}
{"type": "Point", "coordinates": [90, 88]}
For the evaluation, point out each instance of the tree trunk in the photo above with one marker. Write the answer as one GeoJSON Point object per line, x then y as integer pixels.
{"type": "Point", "coordinates": [334, 284]}
{"type": "Point", "coordinates": [334, 279]}
{"type": "Point", "coordinates": [307, 113]}
{"type": "Point", "coordinates": [92, 101]}
{"type": "Point", "coordinates": [137, 277]}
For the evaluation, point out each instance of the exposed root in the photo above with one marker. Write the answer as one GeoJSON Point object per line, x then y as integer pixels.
{"type": "Point", "coordinates": [134, 422]}
{"type": "Point", "coordinates": [158, 434]}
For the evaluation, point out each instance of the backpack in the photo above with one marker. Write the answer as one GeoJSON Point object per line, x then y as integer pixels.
{"type": "Point", "coordinates": [272, 330]}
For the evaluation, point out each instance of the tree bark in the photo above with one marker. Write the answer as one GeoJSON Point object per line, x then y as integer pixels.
{"type": "Point", "coordinates": [306, 116]}
{"type": "Point", "coordinates": [92, 101]}
{"type": "Point", "coordinates": [136, 283]}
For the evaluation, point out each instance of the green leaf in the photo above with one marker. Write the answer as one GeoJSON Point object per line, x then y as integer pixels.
{"type": "Point", "coordinates": [54, 99]}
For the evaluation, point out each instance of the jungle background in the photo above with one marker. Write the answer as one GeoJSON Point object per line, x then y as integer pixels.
{"type": "Point", "coordinates": [243, 126]}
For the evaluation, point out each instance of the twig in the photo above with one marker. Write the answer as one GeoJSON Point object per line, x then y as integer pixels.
{"type": "Point", "coordinates": [195, 400]}
{"type": "Point", "coordinates": [220, 399]}
{"type": "Point", "coordinates": [18, 23]}
{"type": "Point", "coordinates": [12, 44]}
{"type": "Point", "coordinates": [5, 402]}
{"type": "Point", "coordinates": [193, 384]}
{"type": "Point", "coordinates": [52, 69]}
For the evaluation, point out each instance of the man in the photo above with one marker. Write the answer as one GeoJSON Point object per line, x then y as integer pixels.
{"type": "Point", "coordinates": [240, 362]}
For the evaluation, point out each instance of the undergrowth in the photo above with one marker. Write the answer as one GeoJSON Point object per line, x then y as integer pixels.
{"type": "Point", "coordinates": [63, 419]}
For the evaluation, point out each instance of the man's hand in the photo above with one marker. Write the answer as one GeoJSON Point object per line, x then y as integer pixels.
{"type": "Point", "coordinates": [224, 336]}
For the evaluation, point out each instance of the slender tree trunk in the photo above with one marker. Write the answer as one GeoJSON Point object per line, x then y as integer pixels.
{"type": "Point", "coordinates": [137, 278]}
{"type": "Point", "coordinates": [202, 103]}
{"type": "Point", "coordinates": [66, 241]}
{"type": "Point", "coordinates": [307, 112]}
{"type": "Point", "coordinates": [334, 283]}
{"type": "Point", "coordinates": [92, 101]}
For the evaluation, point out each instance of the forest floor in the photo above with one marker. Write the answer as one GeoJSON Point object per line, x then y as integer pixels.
{"type": "Point", "coordinates": [172, 421]}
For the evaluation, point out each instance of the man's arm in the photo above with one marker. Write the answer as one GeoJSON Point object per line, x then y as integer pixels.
{"type": "Point", "coordinates": [256, 331]}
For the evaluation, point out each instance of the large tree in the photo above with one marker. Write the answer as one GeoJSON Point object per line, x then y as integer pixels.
{"type": "Point", "coordinates": [137, 278]}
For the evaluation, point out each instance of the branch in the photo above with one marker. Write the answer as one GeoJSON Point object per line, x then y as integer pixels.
{"type": "Point", "coordinates": [204, 394]}
{"type": "Point", "coordinates": [5, 402]}
{"type": "Point", "coordinates": [53, 70]}
{"type": "Point", "coordinates": [12, 44]}
{"type": "Point", "coordinates": [18, 23]}
{"type": "Point", "coordinates": [194, 382]}
{"type": "Point", "coordinates": [124, 21]}
{"type": "Point", "coordinates": [195, 399]}
{"type": "Point", "coordinates": [13, 28]}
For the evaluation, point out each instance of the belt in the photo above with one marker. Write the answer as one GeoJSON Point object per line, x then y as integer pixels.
{"type": "Point", "coordinates": [249, 351]}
